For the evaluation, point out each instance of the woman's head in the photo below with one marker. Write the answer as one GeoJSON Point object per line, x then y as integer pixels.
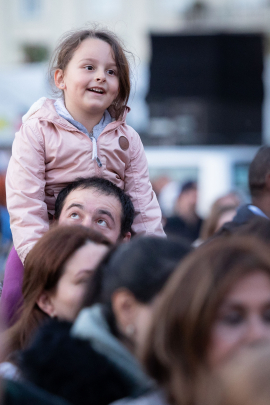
{"type": "Point", "coordinates": [218, 217]}
{"type": "Point", "coordinates": [55, 275]}
{"type": "Point", "coordinates": [57, 268]}
{"type": "Point", "coordinates": [129, 280]}
{"type": "Point", "coordinates": [103, 41]}
{"type": "Point", "coordinates": [216, 303]}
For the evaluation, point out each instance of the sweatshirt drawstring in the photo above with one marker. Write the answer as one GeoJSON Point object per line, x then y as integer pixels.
{"type": "Point", "coordinates": [94, 154]}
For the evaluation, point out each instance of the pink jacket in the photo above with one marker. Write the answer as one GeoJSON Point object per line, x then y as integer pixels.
{"type": "Point", "coordinates": [48, 153]}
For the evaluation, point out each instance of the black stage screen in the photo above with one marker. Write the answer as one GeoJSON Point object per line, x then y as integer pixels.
{"type": "Point", "coordinates": [211, 83]}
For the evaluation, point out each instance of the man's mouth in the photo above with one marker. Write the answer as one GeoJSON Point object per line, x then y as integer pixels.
{"type": "Point", "coordinates": [96, 90]}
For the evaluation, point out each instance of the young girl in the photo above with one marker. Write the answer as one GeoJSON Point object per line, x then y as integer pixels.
{"type": "Point", "coordinates": [81, 134]}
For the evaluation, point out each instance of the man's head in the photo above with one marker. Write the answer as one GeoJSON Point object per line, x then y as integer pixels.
{"type": "Point", "coordinates": [186, 202]}
{"type": "Point", "coordinates": [259, 173]}
{"type": "Point", "coordinates": [96, 203]}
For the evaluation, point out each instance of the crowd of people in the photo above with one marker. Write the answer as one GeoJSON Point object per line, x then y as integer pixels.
{"type": "Point", "coordinates": [105, 316]}
{"type": "Point", "coordinates": [98, 305]}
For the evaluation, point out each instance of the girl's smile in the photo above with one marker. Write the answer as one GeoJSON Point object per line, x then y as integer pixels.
{"type": "Point", "coordinates": [90, 81]}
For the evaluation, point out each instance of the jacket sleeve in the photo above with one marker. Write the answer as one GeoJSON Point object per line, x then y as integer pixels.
{"type": "Point", "coordinates": [137, 185]}
{"type": "Point", "coordinates": [25, 183]}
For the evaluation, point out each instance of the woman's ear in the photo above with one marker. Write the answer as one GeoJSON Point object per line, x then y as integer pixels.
{"type": "Point", "coordinates": [59, 79]}
{"type": "Point", "coordinates": [45, 304]}
{"type": "Point", "coordinates": [124, 307]}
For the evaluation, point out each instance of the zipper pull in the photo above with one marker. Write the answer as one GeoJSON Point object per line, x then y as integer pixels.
{"type": "Point", "coordinates": [98, 162]}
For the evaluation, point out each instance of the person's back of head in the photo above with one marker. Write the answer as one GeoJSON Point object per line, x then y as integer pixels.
{"type": "Point", "coordinates": [127, 284]}
{"type": "Point", "coordinates": [258, 172]}
{"type": "Point", "coordinates": [141, 266]}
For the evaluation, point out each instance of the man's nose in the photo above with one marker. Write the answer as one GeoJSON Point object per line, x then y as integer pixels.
{"type": "Point", "coordinates": [87, 222]}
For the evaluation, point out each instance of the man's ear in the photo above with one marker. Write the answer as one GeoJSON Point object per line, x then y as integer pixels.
{"type": "Point", "coordinates": [59, 79]}
{"type": "Point", "coordinates": [127, 237]}
{"type": "Point", "coordinates": [45, 304]}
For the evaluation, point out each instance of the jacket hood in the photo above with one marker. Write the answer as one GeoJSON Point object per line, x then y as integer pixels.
{"type": "Point", "coordinates": [91, 325]}
{"type": "Point", "coordinates": [44, 109]}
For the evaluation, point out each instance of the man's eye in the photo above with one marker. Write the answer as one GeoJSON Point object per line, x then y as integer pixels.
{"type": "Point", "coordinates": [89, 67]}
{"type": "Point", "coordinates": [74, 215]}
{"type": "Point", "coordinates": [101, 222]}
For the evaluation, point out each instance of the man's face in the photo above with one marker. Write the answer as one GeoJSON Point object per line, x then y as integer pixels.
{"type": "Point", "coordinates": [90, 208]}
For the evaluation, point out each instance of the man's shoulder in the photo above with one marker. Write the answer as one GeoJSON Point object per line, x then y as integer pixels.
{"type": "Point", "coordinates": [243, 214]}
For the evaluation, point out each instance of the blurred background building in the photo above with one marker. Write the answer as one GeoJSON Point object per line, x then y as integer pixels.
{"type": "Point", "coordinates": [201, 80]}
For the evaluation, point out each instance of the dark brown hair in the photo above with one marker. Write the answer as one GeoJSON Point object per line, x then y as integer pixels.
{"type": "Point", "coordinates": [178, 342]}
{"type": "Point", "coordinates": [258, 170]}
{"type": "Point", "coordinates": [44, 266]}
{"type": "Point", "coordinates": [71, 40]}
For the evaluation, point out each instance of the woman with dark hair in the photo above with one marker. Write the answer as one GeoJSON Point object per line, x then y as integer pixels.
{"type": "Point", "coordinates": [119, 303]}
{"type": "Point", "coordinates": [216, 303]}
{"type": "Point", "coordinates": [125, 288]}
{"type": "Point", "coordinates": [56, 273]}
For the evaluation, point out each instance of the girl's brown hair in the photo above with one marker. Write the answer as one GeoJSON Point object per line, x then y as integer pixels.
{"type": "Point", "coordinates": [178, 342]}
{"type": "Point", "coordinates": [44, 266]}
{"type": "Point", "coordinates": [68, 44]}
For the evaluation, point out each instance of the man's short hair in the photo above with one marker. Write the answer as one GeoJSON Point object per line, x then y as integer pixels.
{"type": "Point", "coordinates": [104, 187]}
{"type": "Point", "coordinates": [187, 186]}
{"type": "Point", "coordinates": [258, 170]}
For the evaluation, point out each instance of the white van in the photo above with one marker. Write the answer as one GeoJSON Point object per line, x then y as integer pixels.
{"type": "Point", "coordinates": [217, 169]}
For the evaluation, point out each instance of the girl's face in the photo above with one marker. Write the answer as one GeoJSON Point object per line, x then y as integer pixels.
{"type": "Point", "coordinates": [90, 81]}
{"type": "Point", "coordinates": [243, 318]}
{"type": "Point", "coordinates": [65, 301]}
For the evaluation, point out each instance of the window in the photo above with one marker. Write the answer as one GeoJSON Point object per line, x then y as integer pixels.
{"type": "Point", "coordinates": [240, 177]}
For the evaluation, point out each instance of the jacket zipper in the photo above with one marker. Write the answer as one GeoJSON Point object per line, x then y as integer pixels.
{"type": "Point", "coordinates": [94, 152]}
{"type": "Point", "coordinates": [99, 164]}
{"type": "Point", "coordinates": [92, 139]}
